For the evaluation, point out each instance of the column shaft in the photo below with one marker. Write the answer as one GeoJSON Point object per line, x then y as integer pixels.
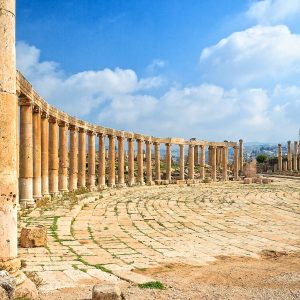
{"type": "Point", "coordinates": [168, 162]}
{"type": "Point", "coordinates": [236, 163]}
{"type": "Point", "coordinates": [73, 176]}
{"type": "Point", "coordinates": [82, 158]}
{"type": "Point", "coordinates": [241, 155]}
{"type": "Point", "coordinates": [101, 171]}
{"type": "Point", "coordinates": [196, 153]}
{"type": "Point", "coordinates": [181, 162]}
{"type": "Point", "coordinates": [140, 161]}
{"type": "Point", "coordinates": [37, 166]}
{"type": "Point", "coordinates": [91, 161]}
{"type": "Point", "coordinates": [202, 162]}
{"type": "Point", "coordinates": [214, 163]}
{"type": "Point", "coordinates": [295, 160]}
{"type": "Point", "coordinates": [279, 158]}
{"type": "Point", "coordinates": [225, 163]}
{"type": "Point", "coordinates": [63, 158]}
{"type": "Point", "coordinates": [45, 154]}
{"type": "Point", "coordinates": [191, 161]}
{"type": "Point", "coordinates": [289, 156]}
{"type": "Point", "coordinates": [111, 161]}
{"type": "Point", "coordinates": [157, 161]}
{"type": "Point", "coordinates": [149, 162]}
{"type": "Point", "coordinates": [130, 161]}
{"type": "Point", "coordinates": [53, 157]}
{"type": "Point", "coordinates": [121, 157]}
{"type": "Point", "coordinates": [26, 155]}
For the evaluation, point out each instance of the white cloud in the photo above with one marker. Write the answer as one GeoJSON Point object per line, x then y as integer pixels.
{"type": "Point", "coordinates": [273, 11]}
{"type": "Point", "coordinates": [258, 55]}
{"type": "Point", "coordinates": [156, 64]}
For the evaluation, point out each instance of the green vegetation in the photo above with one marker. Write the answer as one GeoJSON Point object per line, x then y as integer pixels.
{"type": "Point", "coordinates": [152, 285]}
{"type": "Point", "coordinates": [261, 158]}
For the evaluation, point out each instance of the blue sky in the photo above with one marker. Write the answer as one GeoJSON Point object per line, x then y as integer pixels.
{"type": "Point", "coordinates": [209, 69]}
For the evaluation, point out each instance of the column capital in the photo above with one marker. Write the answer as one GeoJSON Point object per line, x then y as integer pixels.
{"type": "Point", "coordinates": [62, 123]}
{"type": "Point", "coordinates": [148, 142]}
{"type": "Point", "coordinates": [73, 127]}
{"type": "Point", "coordinates": [279, 145]}
{"type": "Point", "coordinates": [120, 138]}
{"type": "Point", "coordinates": [24, 101]}
{"type": "Point", "coordinates": [81, 130]}
{"type": "Point", "coordinates": [156, 143]}
{"type": "Point", "coordinates": [90, 132]}
{"type": "Point", "coordinates": [52, 119]}
{"type": "Point", "coordinates": [44, 115]}
{"type": "Point", "coordinates": [36, 109]}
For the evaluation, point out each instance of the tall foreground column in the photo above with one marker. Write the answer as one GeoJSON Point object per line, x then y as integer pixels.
{"type": "Point", "coordinates": [196, 157]}
{"type": "Point", "coordinates": [157, 160]}
{"type": "Point", "coordinates": [82, 158]}
{"type": "Point", "coordinates": [140, 161]}
{"type": "Point", "coordinates": [91, 161]}
{"type": "Point", "coordinates": [279, 158]}
{"type": "Point", "coordinates": [168, 162]}
{"type": "Point", "coordinates": [73, 175]}
{"type": "Point", "coordinates": [130, 161]}
{"type": "Point", "coordinates": [148, 162]}
{"type": "Point", "coordinates": [214, 163]}
{"type": "Point", "coordinates": [289, 156]}
{"type": "Point", "coordinates": [37, 167]}
{"type": "Point", "coordinates": [8, 132]}
{"type": "Point", "coordinates": [63, 157]}
{"type": "Point", "coordinates": [121, 156]}
{"type": "Point", "coordinates": [241, 155]}
{"type": "Point", "coordinates": [191, 161]}
{"type": "Point", "coordinates": [225, 162]}
{"type": "Point", "coordinates": [111, 161]}
{"type": "Point", "coordinates": [26, 154]}
{"type": "Point", "coordinates": [202, 162]}
{"type": "Point", "coordinates": [295, 160]}
{"type": "Point", "coordinates": [101, 167]}
{"type": "Point", "coordinates": [235, 163]}
{"type": "Point", "coordinates": [181, 162]}
{"type": "Point", "coordinates": [53, 157]}
{"type": "Point", "coordinates": [45, 154]}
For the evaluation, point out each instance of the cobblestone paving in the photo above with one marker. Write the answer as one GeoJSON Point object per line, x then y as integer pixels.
{"type": "Point", "coordinates": [141, 227]}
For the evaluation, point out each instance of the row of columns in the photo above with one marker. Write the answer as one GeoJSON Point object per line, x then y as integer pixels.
{"type": "Point", "coordinates": [48, 167]}
{"type": "Point", "coordinates": [293, 158]}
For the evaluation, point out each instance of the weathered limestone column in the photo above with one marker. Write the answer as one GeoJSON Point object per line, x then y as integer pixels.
{"type": "Point", "coordinates": [26, 154]}
{"type": "Point", "coordinates": [37, 166]}
{"type": "Point", "coordinates": [236, 163]}
{"type": "Point", "coordinates": [121, 156]}
{"type": "Point", "coordinates": [140, 161]}
{"type": "Point", "coordinates": [214, 163]}
{"type": "Point", "coordinates": [295, 160]}
{"type": "Point", "coordinates": [130, 161]}
{"type": "Point", "coordinates": [63, 157]}
{"type": "Point", "coordinates": [53, 156]}
{"type": "Point", "coordinates": [191, 161]}
{"type": "Point", "coordinates": [279, 158]}
{"type": "Point", "coordinates": [241, 155]}
{"type": "Point", "coordinates": [181, 162]}
{"type": "Point", "coordinates": [8, 149]}
{"type": "Point", "coordinates": [168, 162]}
{"type": "Point", "coordinates": [45, 154]}
{"type": "Point", "coordinates": [285, 165]}
{"type": "Point", "coordinates": [82, 158]}
{"type": "Point", "coordinates": [289, 156]}
{"type": "Point", "coordinates": [196, 153]}
{"type": "Point", "coordinates": [91, 160]}
{"type": "Point", "coordinates": [148, 162]}
{"type": "Point", "coordinates": [157, 161]}
{"type": "Point", "coordinates": [225, 162]}
{"type": "Point", "coordinates": [73, 176]}
{"type": "Point", "coordinates": [101, 171]}
{"type": "Point", "coordinates": [111, 161]}
{"type": "Point", "coordinates": [202, 162]}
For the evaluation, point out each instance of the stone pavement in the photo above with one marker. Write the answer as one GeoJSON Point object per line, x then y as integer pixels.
{"type": "Point", "coordinates": [140, 227]}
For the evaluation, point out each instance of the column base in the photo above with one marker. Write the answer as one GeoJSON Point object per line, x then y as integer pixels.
{"type": "Point", "coordinates": [140, 183]}
{"type": "Point", "coordinates": [149, 183]}
{"type": "Point", "coordinates": [37, 197]}
{"type": "Point", "coordinates": [111, 185]}
{"type": "Point", "coordinates": [62, 191]}
{"type": "Point", "coordinates": [162, 182]}
{"type": "Point", "coordinates": [27, 203]}
{"type": "Point", "coordinates": [92, 188]}
{"type": "Point", "coordinates": [102, 187]}
{"type": "Point", "coordinates": [47, 196]}
{"type": "Point", "coordinates": [181, 181]}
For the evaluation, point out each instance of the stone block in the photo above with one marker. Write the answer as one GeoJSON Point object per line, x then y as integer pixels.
{"type": "Point", "coordinates": [180, 181]}
{"type": "Point", "coordinates": [7, 286]}
{"type": "Point", "coordinates": [247, 180]}
{"type": "Point", "coordinates": [34, 237]}
{"type": "Point", "coordinates": [266, 180]}
{"type": "Point", "coordinates": [106, 292]}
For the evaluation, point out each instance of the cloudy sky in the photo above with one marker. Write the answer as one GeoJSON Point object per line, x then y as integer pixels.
{"type": "Point", "coordinates": [211, 69]}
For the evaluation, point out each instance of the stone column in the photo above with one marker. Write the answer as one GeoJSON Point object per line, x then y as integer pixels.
{"type": "Point", "coordinates": [191, 161]}
{"type": "Point", "coordinates": [53, 156]}
{"type": "Point", "coordinates": [196, 153]}
{"type": "Point", "coordinates": [157, 160]}
{"type": "Point", "coordinates": [236, 163]}
{"type": "Point", "coordinates": [214, 163]}
{"type": "Point", "coordinates": [168, 162]}
{"type": "Point", "coordinates": [140, 161]}
{"type": "Point", "coordinates": [149, 162]}
{"type": "Point", "coordinates": [285, 165]}
{"type": "Point", "coordinates": [37, 167]}
{"type": "Point", "coordinates": [111, 161]}
{"type": "Point", "coordinates": [225, 163]}
{"type": "Point", "coordinates": [8, 149]}
{"type": "Point", "coordinates": [289, 156]}
{"type": "Point", "coordinates": [202, 162]}
{"type": "Point", "coordinates": [45, 154]}
{"type": "Point", "coordinates": [181, 162]}
{"type": "Point", "coordinates": [121, 156]}
{"type": "Point", "coordinates": [63, 157]}
{"type": "Point", "coordinates": [241, 155]}
{"type": "Point", "coordinates": [130, 161]}
{"type": "Point", "coordinates": [91, 161]}
{"type": "Point", "coordinates": [26, 154]}
{"type": "Point", "coordinates": [101, 171]}
{"type": "Point", "coordinates": [82, 158]}
{"type": "Point", "coordinates": [73, 176]}
{"type": "Point", "coordinates": [279, 158]}
{"type": "Point", "coordinates": [295, 160]}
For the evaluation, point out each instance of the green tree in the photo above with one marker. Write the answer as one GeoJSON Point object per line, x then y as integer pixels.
{"type": "Point", "coordinates": [261, 158]}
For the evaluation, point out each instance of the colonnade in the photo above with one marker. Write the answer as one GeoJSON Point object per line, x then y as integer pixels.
{"type": "Point", "coordinates": [293, 157]}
